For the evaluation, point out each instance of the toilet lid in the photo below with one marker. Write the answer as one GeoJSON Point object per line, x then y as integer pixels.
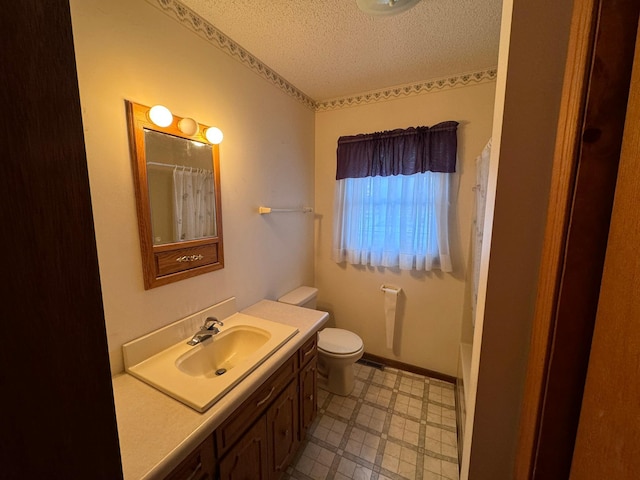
{"type": "Point", "coordinates": [339, 341]}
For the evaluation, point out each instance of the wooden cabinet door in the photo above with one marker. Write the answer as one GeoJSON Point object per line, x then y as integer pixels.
{"type": "Point", "coordinates": [248, 459]}
{"type": "Point", "coordinates": [308, 396]}
{"type": "Point", "coordinates": [282, 427]}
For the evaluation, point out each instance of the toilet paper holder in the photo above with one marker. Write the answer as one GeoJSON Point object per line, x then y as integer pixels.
{"type": "Point", "coordinates": [390, 288]}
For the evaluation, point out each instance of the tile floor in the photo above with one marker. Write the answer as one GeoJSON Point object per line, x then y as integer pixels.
{"type": "Point", "coordinates": [395, 425]}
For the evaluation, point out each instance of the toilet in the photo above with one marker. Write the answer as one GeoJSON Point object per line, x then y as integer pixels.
{"type": "Point", "coordinates": [338, 349]}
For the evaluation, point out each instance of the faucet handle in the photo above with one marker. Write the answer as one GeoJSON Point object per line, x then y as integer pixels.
{"type": "Point", "coordinates": [210, 322]}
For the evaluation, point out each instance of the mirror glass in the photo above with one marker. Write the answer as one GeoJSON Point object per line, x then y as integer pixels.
{"type": "Point", "coordinates": [176, 172]}
{"type": "Point", "coordinates": [181, 188]}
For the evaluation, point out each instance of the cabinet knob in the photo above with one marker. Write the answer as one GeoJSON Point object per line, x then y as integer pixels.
{"type": "Point", "coordinates": [310, 397]}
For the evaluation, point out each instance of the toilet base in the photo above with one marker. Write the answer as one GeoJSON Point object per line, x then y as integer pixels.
{"type": "Point", "coordinates": [338, 384]}
{"type": "Point", "coordinates": [338, 379]}
{"type": "Point", "coordinates": [341, 381]}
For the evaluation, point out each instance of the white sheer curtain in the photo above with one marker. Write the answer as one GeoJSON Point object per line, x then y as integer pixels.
{"type": "Point", "coordinates": [193, 204]}
{"type": "Point", "coordinates": [395, 221]}
{"type": "Point", "coordinates": [482, 178]}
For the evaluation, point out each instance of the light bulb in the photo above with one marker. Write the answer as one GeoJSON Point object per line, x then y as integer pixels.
{"type": "Point", "coordinates": [214, 135]}
{"type": "Point", "coordinates": [160, 115]}
{"type": "Point", "coordinates": [385, 7]}
{"type": "Point", "coordinates": [188, 126]}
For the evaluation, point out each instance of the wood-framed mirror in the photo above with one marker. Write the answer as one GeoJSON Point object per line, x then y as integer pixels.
{"type": "Point", "coordinates": [178, 200]}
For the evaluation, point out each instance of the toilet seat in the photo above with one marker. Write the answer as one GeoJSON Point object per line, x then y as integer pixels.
{"type": "Point", "coordinates": [337, 341]}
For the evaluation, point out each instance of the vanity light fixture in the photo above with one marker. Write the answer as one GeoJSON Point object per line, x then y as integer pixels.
{"type": "Point", "coordinates": [385, 7]}
{"type": "Point", "coordinates": [188, 126]}
{"type": "Point", "coordinates": [214, 135]}
{"type": "Point", "coordinates": [160, 115]}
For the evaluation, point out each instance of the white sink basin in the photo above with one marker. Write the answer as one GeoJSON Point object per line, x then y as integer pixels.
{"type": "Point", "coordinates": [222, 352]}
{"type": "Point", "coordinates": [200, 375]}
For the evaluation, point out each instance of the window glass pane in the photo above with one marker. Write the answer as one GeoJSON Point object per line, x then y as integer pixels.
{"type": "Point", "coordinates": [393, 221]}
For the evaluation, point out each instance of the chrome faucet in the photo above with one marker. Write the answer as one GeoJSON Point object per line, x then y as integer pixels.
{"type": "Point", "coordinates": [206, 331]}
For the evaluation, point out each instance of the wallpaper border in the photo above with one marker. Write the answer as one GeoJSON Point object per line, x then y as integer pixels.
{"type": "Point", "coordinates": [391, 93]}
{"type": "Point", "coordinates": [206, 30]}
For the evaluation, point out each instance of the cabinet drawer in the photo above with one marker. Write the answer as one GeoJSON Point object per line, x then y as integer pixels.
{"type": "Point", "coordinates": [185, 259]}
{"type": "Point", "coordinates": [239, 422]}
{"type": "Point", "coordinates": [199, 465]}
{"type": "Point", "coordinates": [308, 351]}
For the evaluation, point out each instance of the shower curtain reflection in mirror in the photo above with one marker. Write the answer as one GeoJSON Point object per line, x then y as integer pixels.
{"type": "Point", "coordinates": [193, 203]}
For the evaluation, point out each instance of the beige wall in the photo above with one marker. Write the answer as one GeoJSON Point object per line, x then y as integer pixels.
{"type": "Point", "coordinates": [131, 50]}
{"type": "Point", "coordinates": [433, 304]}
{"type": "Point", "coordinates": [530, 73]}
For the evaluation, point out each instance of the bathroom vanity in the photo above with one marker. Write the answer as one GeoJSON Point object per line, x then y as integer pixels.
{"type": "Point", "coordinates": [258, 425]}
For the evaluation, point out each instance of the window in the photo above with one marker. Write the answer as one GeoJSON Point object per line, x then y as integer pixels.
{"type": "Point", "coordinates": [397, 216]}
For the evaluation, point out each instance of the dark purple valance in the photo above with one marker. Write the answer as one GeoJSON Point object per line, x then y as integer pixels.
{"type": "Point", "coordinates": [399, 152]}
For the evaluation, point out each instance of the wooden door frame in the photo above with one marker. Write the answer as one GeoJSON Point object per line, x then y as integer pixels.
{"type": "Point", "coordinates": [609, 430]}
{"type": "Point", "coordinates": [589, 138]}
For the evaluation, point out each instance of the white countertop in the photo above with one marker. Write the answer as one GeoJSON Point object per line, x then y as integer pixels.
{"type": "Point", "coordinates": [157, 432]}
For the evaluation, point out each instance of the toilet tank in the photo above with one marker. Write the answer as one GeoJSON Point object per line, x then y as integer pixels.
{"type": "Point", "coordinates": [301, 296]}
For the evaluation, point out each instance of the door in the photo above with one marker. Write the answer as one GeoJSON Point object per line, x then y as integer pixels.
{"type": "Point", "coordinates": [308, 396]}
{"type": "Point", "coordinates": [247, 460]}
{"type": "Point", "coordinates": [608, 436]}
{"type": "Point", "coordinates": [588, 152]}
{"type": "Point", "coordinates": [282, 428]}
{"type": "Point", "coordinates": [59, 416]}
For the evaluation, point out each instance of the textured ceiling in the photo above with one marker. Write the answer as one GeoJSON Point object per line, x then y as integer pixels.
{"type": "Point", "coordinates": [329, 49]}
